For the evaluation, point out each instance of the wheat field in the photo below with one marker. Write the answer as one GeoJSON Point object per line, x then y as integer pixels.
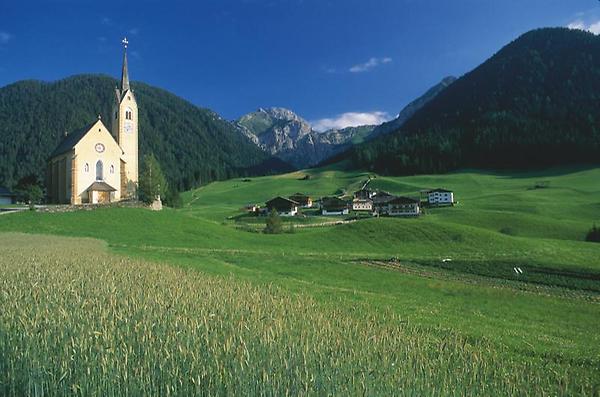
{"type": "Point", "coordinates": [77, 320]}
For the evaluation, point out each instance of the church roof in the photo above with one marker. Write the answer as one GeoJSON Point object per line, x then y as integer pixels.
{"type": "Point", "coordinates": [125, 74]}
{"type": "Point", "coordinates": [4, 192]}
{"type": "Point", "coordinates": [101, 187]}
{"type": "Point", "coordinates": [69, 142]}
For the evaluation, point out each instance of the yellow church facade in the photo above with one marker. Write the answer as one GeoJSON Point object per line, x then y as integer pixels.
{"type": "Point", "coordinates": [96, 165]}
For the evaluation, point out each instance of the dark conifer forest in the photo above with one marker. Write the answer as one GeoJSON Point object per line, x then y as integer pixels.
{"type": "Point", "coordinates": [193, 145]}
{"type": "Point", "coordinates": [536, 103]}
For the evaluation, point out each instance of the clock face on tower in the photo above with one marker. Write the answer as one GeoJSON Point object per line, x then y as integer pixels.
{"type": "Point", "coordinates": [99, 147]}
{"type": "Point", "coordinates": [128, 126]}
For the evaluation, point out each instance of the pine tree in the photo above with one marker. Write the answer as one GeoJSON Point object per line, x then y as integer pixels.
{"type": "Point", "coordinates": [152, 180]}
{"type": "Point", "coordinates": [593, 235]}
{"type": "Point", "coordinates": [29, 190]}
{"type": "Point", "coordinates": [273, 224]}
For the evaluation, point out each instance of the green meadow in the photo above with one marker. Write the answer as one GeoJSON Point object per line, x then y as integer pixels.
{"type": "Point", "coordinates": [449, 272]}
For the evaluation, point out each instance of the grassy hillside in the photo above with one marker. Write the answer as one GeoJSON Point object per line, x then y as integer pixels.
{"type": "Point", "coordinates": [547, 316]}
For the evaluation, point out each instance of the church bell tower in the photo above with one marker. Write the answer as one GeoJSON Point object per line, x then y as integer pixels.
{"type": "Point", "coordinates": [125, 128]}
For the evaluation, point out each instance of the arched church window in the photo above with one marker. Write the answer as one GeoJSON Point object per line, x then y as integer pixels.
{"type": "Point", "coordinates": [112, 169]}
{"type": "Point", "coordinates": [99, 170]}
{"type": "Point", "coordinates": [86, 167]}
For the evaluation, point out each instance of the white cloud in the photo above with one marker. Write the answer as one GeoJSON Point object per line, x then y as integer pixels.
{"type": "Point", "coordinates": [134, 31]}
{"type": "Point", "coordinates": [579, 24]}
{"type": "Point", "coordinates": [350, 119]}
{"type": "Point", "coordinates": [5, 37]}
{"type": "Point", "coordinates": [370, 64]}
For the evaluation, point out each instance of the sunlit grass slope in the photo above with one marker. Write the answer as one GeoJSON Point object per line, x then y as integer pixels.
{"type": "Point", "coordinates": [501, 221]}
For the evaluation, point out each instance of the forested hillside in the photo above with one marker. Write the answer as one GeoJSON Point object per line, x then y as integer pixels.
{"type": "Point", "coordinates": [193, 145]}
{"type": "Point", "coordinates": [535, 103]}
{"type": "Point", "coordinates": [409, 110]}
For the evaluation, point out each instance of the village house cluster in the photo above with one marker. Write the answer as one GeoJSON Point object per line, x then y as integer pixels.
{"type": "Point", "coordinates": [375, 203]}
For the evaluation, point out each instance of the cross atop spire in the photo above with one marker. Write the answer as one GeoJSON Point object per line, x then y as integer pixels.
{"type": "Point", "coordinates": [125, 71]}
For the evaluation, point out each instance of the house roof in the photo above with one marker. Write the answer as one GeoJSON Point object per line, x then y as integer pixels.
{"type": "Point", "coordinates": [332, 200]}
{"type": "Point", "coordinates": [300, 195]}
{"type": "Point", "coordinates": [333, 203]}
{"type": "Point", "coordinates": [382, 199]}
{"type": "Point", "coordinates": [281, 201]}
{"type": "Point", "coordinates": [5, 192]}
{"type": "Point", "coordinates": [403, 200]}
{"type": "Point", "coordinates": [440, 190]}
{"type": "Point", "coordinates": [101, 187]}
{"type": "Point", "coordinates": [72, 139]}
{"type": "Point", "coordinates": [364, 193]}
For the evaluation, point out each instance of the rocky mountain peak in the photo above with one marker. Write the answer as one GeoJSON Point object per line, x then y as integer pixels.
{"type": "Point", "coordinates": [282, 114]}
{"type": "Point", "coordinates": [284, 134]}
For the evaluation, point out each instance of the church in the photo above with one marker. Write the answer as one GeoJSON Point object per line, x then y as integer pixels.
{"type": "Point", "coordinates": [96, 165]}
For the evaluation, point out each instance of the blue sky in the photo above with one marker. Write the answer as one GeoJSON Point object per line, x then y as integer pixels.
{"type": "Point", "coordinates": [336, 62]}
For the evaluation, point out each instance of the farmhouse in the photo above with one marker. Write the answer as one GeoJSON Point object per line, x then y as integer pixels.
{"type": "Point", "coordinates": [333, 206]}
{"type": "Point", "coordinates": [380, 203]}
{"type": "Point", "coordinates": [403, 206]}
{"type": "Point", "coordinates": [252, 208]}
{"type": "Point", "coordinates": [6, 196]}
{"type": "Point", "coordinates": [440, 197]}
{"type": "Point", "coordinates": [283, 206]}
{"type": "Point", "coordinates": [364, 194]}
{"type": "Point", "coordinates": [359, 204]}
{"type": "Point", "coordinates": [95, 164]}
{"type": "Point", "coordinates": [302, 199]}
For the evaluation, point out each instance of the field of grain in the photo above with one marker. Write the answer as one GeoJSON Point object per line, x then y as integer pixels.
{"type": "Point", "coordinates": [77, 320]}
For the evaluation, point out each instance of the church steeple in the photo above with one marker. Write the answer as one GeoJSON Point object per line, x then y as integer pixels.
{"type": "Point", "coordinates": [125, 71]}
{"type": "Point", "coordinates": [125, 128]}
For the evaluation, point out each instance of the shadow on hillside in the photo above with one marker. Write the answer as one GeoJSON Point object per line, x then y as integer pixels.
{"type": "Point", "coordinates": [535, 173]}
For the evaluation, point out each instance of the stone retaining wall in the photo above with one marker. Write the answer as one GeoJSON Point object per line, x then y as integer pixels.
{"type": "Point", "coordinates": [88, 207]}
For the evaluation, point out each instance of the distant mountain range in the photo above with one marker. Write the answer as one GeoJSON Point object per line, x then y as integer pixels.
{"type": "Point", "coordinates": [282, 133]}
{"type": "Point", "coordinates": [193, 145]}
{"type": "Point", "coordinates": [535, 103]}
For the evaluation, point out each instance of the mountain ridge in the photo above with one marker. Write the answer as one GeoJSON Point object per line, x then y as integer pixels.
{"type": "Point", "coordinates": [532, 104]}
{"type": "Point", "coordinates": [409, 110]}
{"type": "Point", "coordinates": [284, 134]}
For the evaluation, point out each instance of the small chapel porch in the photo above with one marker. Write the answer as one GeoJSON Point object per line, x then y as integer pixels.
{"type": "Point", "coordinates": [99, 193]}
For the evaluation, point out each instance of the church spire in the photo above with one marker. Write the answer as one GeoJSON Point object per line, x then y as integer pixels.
{"type": "Point", "coordinates": [125, 71]}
